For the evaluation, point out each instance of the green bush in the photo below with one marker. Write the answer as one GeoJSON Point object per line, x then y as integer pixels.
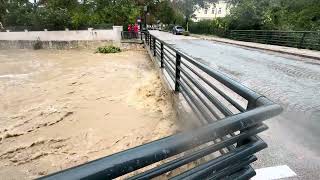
{"type": "Point", "coordinates": [186, 33]}
{"type": "Point", "coordinates": [216, 27]}
{"type": "Point", "coordinates": [108, 49]}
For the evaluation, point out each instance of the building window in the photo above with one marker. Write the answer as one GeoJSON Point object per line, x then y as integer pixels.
{"type": "Point", "coordinates": [205, 11]}
{"type": "Point", "coordinates": [212, 11]}
{"type": "Point", "coordinates": [220, 9]}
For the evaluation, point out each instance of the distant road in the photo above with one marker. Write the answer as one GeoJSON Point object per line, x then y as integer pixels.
{"type": "Point", "coordinates": [293, 82]}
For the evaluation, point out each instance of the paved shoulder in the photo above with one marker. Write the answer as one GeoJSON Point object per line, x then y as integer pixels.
{"type": "Point", "coordinates": [281, 49]}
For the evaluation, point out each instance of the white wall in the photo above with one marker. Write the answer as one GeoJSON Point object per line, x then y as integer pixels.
{"type": "Point", "coordinates": [86, 35]}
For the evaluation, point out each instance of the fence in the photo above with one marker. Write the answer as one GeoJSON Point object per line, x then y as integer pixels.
{"type": "Point", "coordinates": [130, 35]}
{"type": "Point", "coordinates": [298, 39]}
{"type": "Point", "coordinates": [227, 139]}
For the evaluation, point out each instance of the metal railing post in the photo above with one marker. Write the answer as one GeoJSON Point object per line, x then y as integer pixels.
{"type": "Point", "coordinates": [161, 57]}
{"type": "Point", "coordinates": [302, 40]}
{"type": "Point", "coordinates": [318, 47]}
{"type": "Point", "coordinates": [178, 62]}
{"type": "Point", "coordinates": [251, 105]}
{"type": "Point", "coordinates": [150, 38]}
{"type": "Point", "coordinates": [154, 47]}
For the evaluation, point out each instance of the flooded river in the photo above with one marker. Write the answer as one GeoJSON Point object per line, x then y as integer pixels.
{"type": "Point", "coordinates": [61, 108]}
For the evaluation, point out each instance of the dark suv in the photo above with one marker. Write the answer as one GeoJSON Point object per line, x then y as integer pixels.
{"type": "Point", "coordinates": [177, 30]}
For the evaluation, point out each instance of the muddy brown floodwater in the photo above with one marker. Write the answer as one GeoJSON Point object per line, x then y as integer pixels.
{"type": "Point", "coordinates": [62, 108]}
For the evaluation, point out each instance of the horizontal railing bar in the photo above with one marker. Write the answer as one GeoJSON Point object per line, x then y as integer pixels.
{"type": "Point", "coordinates": [168, 68]}
{"type": "Point", "coordinates": [168, 58]}
{"type": "Point", "coordinates": [232, 169]}
{"type": "Point", "coordinates": [199, 104]}
{"type": "Point", "coordinates": [231, 101]}
{"type": "Point", "coordinates": [244, 174]}
{"type": "Point", "coordinates": [269, 40]}
{"type": "Point", "coordinates": [266, 36]}
{"type": "Point", "coordinates": [202, 100]}
{"type": "Point", "coordinates": [296, 39]}
{"type": "Point", "coordinates": [158, 51]}
{"type": "Point", "coordinates": [206, 104]}
{"type": "Point", "coordinates": [316, 32]}
{"type": "Point", "coordinates": [168, 51]}
{"type": "Point", "coordinates": [172, 67]}
{"type": "Point", "coordinates": [198, 154]}
{"type": "Point", "coordinates": [224, 110]}
{"type": "Point", "coordinates": [202, 119]}
{"type": "Point", "coordinates": [169, 73]}
{"type": "Point", "coordinates": [169, 55]}
{"type": "Point", "coordinates": [203, 170]}
{"type": "Point", "coordinates": [196, 102]}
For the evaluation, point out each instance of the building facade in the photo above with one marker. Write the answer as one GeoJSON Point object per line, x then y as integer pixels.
{"type": "Point", "coordinates": [219, 9]}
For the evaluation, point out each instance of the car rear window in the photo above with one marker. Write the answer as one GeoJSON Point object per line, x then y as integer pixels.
{"type": "Point", "coordinates": [179, 27]}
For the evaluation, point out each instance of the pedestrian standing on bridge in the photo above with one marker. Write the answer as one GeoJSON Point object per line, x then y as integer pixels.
{"type": "Point", "coordinates": [136, 30]}
{"type": "Point", "coordinates": [129, 31]}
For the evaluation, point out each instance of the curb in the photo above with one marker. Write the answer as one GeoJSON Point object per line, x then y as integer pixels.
{"type": "Point", "coordinates": [260, 48]}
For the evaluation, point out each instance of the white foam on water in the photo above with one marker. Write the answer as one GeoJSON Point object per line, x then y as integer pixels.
{"type": "Point", "coordinates": [14, 75]}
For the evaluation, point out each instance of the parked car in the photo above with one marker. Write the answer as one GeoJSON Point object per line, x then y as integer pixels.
{"type": "Point", "coordinates": [177, 30]}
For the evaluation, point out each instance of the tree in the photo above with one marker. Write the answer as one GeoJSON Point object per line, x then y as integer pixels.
{"type": "Point", "coordinates": [248, 14]}
{"type": "Point", "coordinates": [17, 13]}
{"type": "Point", "coordinates": [3, 4]}
{"type": "Point", "coordinates": [166, 12]}
{"type": "Point", "coordinates": [275, 14]}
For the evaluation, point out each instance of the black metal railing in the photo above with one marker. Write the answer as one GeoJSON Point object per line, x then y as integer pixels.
{"type": "Point", "coordinates": [298, 39]}
{"type": "Point", "coordinates": [231, 116]}
{"type": "Point", "coordinates": [131, 35]}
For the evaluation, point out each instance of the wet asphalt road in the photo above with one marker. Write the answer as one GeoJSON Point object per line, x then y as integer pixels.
{"type": "Point", "coordinates": [291, 81]}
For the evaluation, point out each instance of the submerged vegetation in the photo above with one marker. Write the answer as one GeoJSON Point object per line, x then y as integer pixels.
{"type": "Point", "coordinates": [108, 49]}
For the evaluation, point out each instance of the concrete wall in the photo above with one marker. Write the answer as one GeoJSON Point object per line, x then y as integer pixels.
{"type": "Point", "coordinates": [61, 39]}
{"type": "Point", "coordinates": [83, 35]}
{"type": "Point", "coordinates": [30, 44]}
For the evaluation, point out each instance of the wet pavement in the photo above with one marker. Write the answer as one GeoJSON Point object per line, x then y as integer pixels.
{"type": "Point", "coordinates": [290, 81]}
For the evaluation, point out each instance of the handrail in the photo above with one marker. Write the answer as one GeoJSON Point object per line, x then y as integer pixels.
{"type": "Point", "coordinates": [220, 76]}
{"type": "Point", "coordinates": [129, 35]}
{"type": "Point", "coordinates": [275, 31]}
{"type": "Point", "coordinates": [221, 132]}
{"type": "Point", "coordinates": [124, 162]}
{"type": "Point", "coordinates": [297, 39]}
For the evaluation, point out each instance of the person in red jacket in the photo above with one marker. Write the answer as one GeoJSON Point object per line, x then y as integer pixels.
{"type": "Point", "coordinates": [129, 31]}
{"type": "Point", "coordinates": [136, 30]}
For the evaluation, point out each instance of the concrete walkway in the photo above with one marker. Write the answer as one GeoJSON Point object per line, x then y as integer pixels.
{"type": "Point", "coordinates": [281, 49]}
